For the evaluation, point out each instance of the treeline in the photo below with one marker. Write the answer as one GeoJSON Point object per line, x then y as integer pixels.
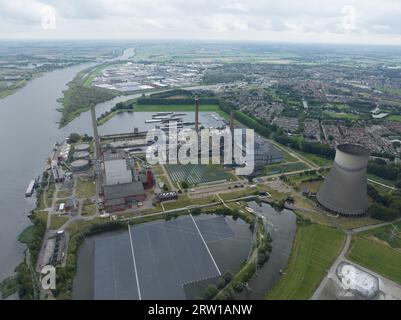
{"type": "Point", "coordinates": [212, 77]}
{"type": "Point", "coordinates": [322, 150]}
{"type": "Point", "coordinates": [385, 207]}
{"type": "Point", "coordinates": [258, 125]}
{"type": "Point", "coordinates": [24, 282]}
{"type": "Point", "coordinates": [119, 107]}
{"type": "Point", "coordinates": [383, 170]}
{"type": "Point", "coordinates": [171, 93]}
{"type": "Point", "coordinates": [24, 277]}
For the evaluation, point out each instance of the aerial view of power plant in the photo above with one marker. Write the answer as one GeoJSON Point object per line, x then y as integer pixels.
{"type": "Point", "coordinates": [230, 153]}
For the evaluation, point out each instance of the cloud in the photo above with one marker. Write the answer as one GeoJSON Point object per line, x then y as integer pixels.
{"type": "Point", "coordinates": [303, 20]}
{"type": "Point", "coordinates": [349, 20]}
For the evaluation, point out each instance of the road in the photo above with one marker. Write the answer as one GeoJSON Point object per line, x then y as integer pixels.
{"type": "Point", "coordinates": [382, 184]}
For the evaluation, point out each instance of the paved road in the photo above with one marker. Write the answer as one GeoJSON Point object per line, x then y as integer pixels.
{"type": "Point", "coordinates": [382, 184]}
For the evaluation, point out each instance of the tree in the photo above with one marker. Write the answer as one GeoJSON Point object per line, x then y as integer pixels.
{"type": "Point", "coordinates": [221, 283]}
{"type": "Point", "coordinates": [228, 276]}
{"type": "Point", "coordinates": [196, 211]}
{"type": "Point", "coordinates": [210, 292]}
{"type": "Point", "coordinates": [380, 212]}
{"type": "Point", "coordinates": [184, 184]}
{"type": "Point", "coordinates": [74, 138]}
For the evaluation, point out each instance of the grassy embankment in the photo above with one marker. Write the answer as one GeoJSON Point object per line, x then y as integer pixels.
{"type": "Point", "coordinates": [379, 250]}
{"type": "Point", "coordinates": [314, 250]}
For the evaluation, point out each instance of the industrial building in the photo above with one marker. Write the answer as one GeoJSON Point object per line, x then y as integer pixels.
{"type": "Point", "coordinates": [123, 186]}
{"type": "Point", "coordinates": [344, 190]}
{"type": "Point", "coordinates": [123, 196]}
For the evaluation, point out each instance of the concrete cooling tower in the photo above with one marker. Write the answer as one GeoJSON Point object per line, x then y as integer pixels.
{"type": "Point", "coordinates": [344, 189]}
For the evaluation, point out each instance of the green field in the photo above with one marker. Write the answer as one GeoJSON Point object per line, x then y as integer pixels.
{"type": "Point", "coordinates": [341, 115]}
{"type": "Point", "coordinates": [376, 256]}
{"type": "Point", "coordinates": [314, 250]}
{"type": "Point", "coordinates": [57, 221]}
{"type": "Point", "coordinates": [394, 117]}
{"type": "Point", "coordinates": [317, 160]}
{"type": "Point", "coordinates": [282, 168]}
{"type": "Point", "coordinates": [86, 188]}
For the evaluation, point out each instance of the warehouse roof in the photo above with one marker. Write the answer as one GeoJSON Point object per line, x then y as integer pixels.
{"type": "Point", "coordinates": [123, 190]}
{"type": "Point", "coordinates": [117, 172]}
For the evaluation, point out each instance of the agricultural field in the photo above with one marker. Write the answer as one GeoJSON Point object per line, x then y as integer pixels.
{"type": "Point", "coordinates": [314, 250]}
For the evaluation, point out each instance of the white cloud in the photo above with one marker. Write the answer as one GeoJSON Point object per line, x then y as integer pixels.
{"type": "Point", "coordinates": [48, 18]}
{"type": "Point", "coordinates": [350, 19]}
{"type": "Point", "coordinates": [302, 20]}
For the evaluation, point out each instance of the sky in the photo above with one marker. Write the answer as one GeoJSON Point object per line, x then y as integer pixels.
{"type": "Point", "coordinates": [309, 21]}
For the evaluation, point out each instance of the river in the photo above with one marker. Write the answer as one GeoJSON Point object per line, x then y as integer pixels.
{"type": "Point", "coordinates": [28, 122]}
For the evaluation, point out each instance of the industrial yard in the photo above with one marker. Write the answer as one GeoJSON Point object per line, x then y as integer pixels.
{"type": "Point", "coordinates": [106, 182]}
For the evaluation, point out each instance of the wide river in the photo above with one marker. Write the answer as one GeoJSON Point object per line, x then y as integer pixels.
{"type": "Point", "coordinates": [28, 125]}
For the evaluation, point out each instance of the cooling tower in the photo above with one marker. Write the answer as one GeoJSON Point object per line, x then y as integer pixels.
{"type": "Point", "coordinates": [344, 189]}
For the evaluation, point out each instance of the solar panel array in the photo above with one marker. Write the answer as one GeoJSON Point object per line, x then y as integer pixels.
{"type": "Point", "coordinates": [195, 174]}
{"type": "Point", "coordinates": [164, 255]}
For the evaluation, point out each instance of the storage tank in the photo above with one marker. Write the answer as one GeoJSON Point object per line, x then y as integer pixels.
{"type": "Point", "coordinates": [345, 188]}
{"type": "Point", "coordinates": [81, 155]}
{"type": "Point", "coordinates": [82, 147]}
{"type": "Point", "coordinates": [80, 165]}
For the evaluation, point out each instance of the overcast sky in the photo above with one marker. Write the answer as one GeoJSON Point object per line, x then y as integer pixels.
{"type": "Point", "coordinates": [336, 21]}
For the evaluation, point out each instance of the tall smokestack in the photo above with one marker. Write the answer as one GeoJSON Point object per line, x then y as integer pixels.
{"type": "Point", "coordinates": [232, 123]}
{"type": "Point", "coordinates": [95, 134]}
{"type": "Point", "coordinates": [196, 114]}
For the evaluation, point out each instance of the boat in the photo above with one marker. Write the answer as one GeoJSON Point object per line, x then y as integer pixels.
{"type": "Point", "coordinates": [31, 188]}
{"type": "Point", "coordinates": [152, 121]}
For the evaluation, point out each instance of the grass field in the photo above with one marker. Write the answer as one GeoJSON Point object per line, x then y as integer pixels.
{"type": "Point", "coordinates": [320, 161]}
{"type": "Point", "coordinates": [314, 250]}
{"type": "Point", "coordinates": [376, 256]}
{"type": "Point", "coordinates": [341, 115]}
{"type": "Point", "coordinates": [394, 117]}
{"type": "Point", "coordinates": [85, 187]}
{"type": "Point", "coordinates": [282, 168]}
{"type": "Point", "coordinates": [57, 221]}
{"type": "Point", "coordinates": [88, 208]}
{"type": "Point", "coordinates": [26, 236]}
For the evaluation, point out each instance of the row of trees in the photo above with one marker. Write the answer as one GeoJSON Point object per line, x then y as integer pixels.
{"type": "Point", "coordinates": [383, 170]}
{"type": "Point", "coordinates": [322, 150]}
{"type": "Point", "coordinates": [385, 207]}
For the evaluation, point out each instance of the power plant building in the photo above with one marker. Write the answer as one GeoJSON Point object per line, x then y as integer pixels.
{"type": "Point", "coordinates": [344, 190]}
{"type": "Point", "coordinates": [121, 187]}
